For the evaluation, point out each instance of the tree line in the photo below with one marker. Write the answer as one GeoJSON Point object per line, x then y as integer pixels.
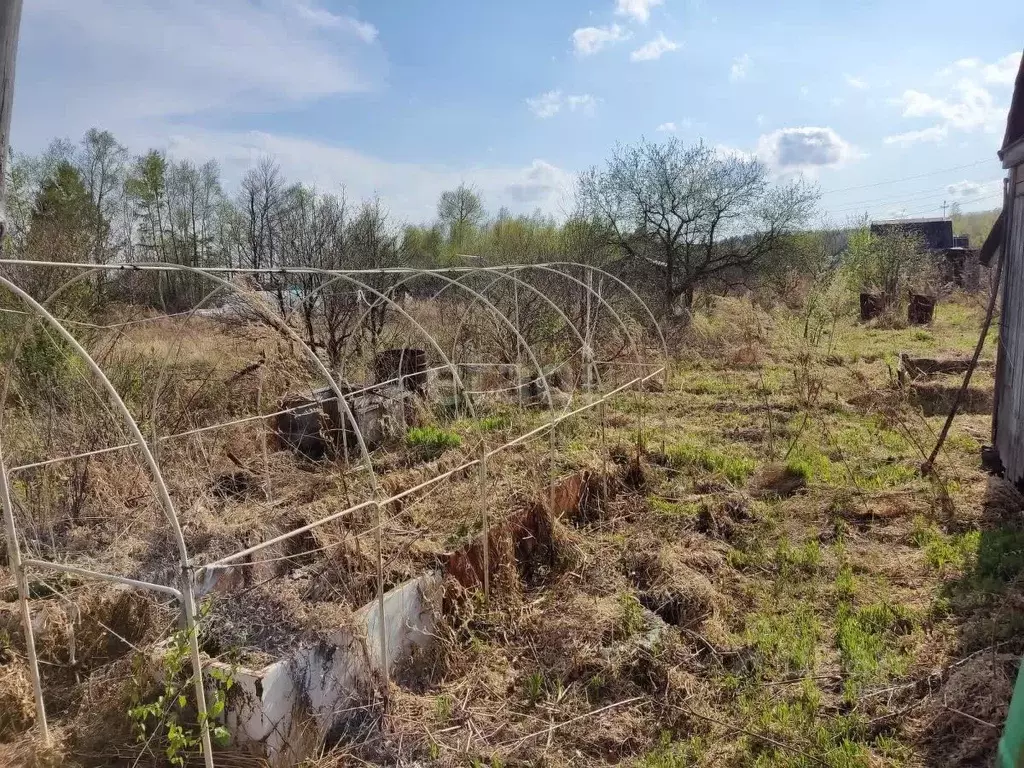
{"type": "Point", "coordinates": [672, 218]}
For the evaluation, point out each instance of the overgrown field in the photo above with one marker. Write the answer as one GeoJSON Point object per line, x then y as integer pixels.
{"type": "Point", "coordinates": [783, 588]}
{"type": "Point", "coordinates": [768, 581]}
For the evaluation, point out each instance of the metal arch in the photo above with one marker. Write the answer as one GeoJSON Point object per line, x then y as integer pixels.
{"type": "Point", "coordinates": [349, 415]}
{"type": "Point", "coordinates": [511, 275]}
{"type": "Point", "coordinates": [634, 294]}
{"type": "Point", "coordinates": [657, 326]}
{"type": "Point", "coordinates": [511, 270]}
{"type": "Point", "coordinates": [411, 272]}
{"type": "Point", "coordinates": [415, 273]}
{"type": "Point", "coordinates": [595, 294]}
{"type": "Point", "coordinates": [625, 330]}
{"type": "Point", "coordinates": [338, 275]}
{"type": "Point", "coordinates": [503, 317]}
{"type": "Point", "coordinates": [188, 601]}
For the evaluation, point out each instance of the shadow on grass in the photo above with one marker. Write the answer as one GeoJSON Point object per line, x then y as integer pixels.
{"type": "Point", "coordinates": [964, 717]}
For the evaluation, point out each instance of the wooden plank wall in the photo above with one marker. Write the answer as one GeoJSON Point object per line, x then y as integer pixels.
{"type": "Point", "coordinates": [1010, 398]}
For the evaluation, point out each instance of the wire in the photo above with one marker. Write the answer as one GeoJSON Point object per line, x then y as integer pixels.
{"type": "Point", "coordinates": [891, 201]}
{"type": "Point", "coordinates": [907, 178]}
{"type": "Point", "coordinates": [970, 201]}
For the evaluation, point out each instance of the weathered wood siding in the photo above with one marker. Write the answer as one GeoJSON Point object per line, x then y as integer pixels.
{"type": "Point", "coordinates": [1010, 397]}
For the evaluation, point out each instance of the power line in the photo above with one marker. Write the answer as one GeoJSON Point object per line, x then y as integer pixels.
{"type": "Point", "coordinates": [908, 178]}
{"type": "Point", "coordinates": [865, 204]}
{"type": "Point", "coordinates": [901, 196]}
{"type": "Point", "coordinates": [969, 201]}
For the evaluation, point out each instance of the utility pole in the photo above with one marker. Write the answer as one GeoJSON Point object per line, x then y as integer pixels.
{"type": "Point", "coordinates": [10, 22]}
{"type": "Point", "coordinates": [943, 209]}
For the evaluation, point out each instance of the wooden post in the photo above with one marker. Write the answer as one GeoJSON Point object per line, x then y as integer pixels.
{"type": "Point", "coordinates": [10, 22]}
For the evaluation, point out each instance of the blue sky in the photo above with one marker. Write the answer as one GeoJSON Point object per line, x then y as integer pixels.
{"type": "Point", "coordinates": [404, 98]}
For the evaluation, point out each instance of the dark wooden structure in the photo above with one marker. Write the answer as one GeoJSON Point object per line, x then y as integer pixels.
{"type": "Point", "coordinates": [872, 305]}
{"type": "Point", "coordinates": [407, 364]}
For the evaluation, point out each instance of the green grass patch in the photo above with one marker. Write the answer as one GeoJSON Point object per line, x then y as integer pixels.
{"type": "Point", "coordinates": [805, 558]}
{"type": "Point", "coordinates": [496, 422]}
{"type": "Point", "coordinates": [797, 719]}
{"type": "Point", "coordinates": [784, 644]}
{"type": "Point", "coordinates": [684, 509]}
{"type": "Point", "coordinates": [846, 584]}
{"type": "Point", "coordinates": [736, 469]}
{"type": "Point", "coordinates": [945, 551]}
{"type": "Point", "coordinates": [675, 754]}
{"type": "Point", "coordinates": [871, 643]}
{"type": "Point", "coordinates": [430, 442]}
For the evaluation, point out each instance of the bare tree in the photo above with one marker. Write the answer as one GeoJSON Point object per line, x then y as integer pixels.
{"type": "Point", "coordinates": [313, 235]}
{"type": "Point", "coordinates": [261, 203]}
{"type": "Point", "coordinates": [102, 163]}
{"type": "Point", "coordinates": [692, 213]}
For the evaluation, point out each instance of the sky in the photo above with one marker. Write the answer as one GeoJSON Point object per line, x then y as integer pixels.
{"type": "Point", "coordinates": [891, 107]}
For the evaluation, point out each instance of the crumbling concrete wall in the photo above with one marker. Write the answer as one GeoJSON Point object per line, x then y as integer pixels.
{"type": "Point", "coordinates": [284, 711]}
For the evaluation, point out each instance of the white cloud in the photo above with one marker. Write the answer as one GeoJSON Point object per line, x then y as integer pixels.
{"type": "Point", "coordinates": [934, 134]}
{"type": "Point", "coordinates": [972, 96]}
{"type": "Point", "coordinates": [804, 149]}
{"type": "Point", "coordinates": [587, 41]}
{"type": "Point", "coordinates": [856, 82]}
{"type": "Point", "coordinates": [537, 183]}
{"type": "Point", "coordinates": [739, 67]}
{"type": "Point", "coordinates": [667, 128]}
{"type": "Point", "coordinates": [546, 105]}
{"type": "Point", "coordinates": [320, 17]}
{"type": "Point", "coordinates": [151, 58]}
{"type": "Point", "coordinates": [655, 49]}
{"type": "Point", "coordinates": [583, 102]}
{"type": "Point", "coordinates": [551, 103]}
{"type": "Point", "coordinates": [408, 190]}
{"type": "Point", "coordinates": [726, 151]}
{"type": "Point", "coordinates": [968, 107]}
{"type": "Point", "coordinates": [974, 190]}
{"type": "Point", "coordinates": [804, 91]}
{"type": "Point", "coordinates": [1001, 72]}
{"type": "Point", "coordinates": [640, 10]}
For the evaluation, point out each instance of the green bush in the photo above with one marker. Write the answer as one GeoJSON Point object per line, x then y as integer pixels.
{"type": "Point", "coordinates": [430, 442]}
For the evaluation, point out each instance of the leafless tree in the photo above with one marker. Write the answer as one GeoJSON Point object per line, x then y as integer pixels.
{"type": "Point", "coordinates": [692, 213]}
{"type": "Point", "coordinates": [102, 162]}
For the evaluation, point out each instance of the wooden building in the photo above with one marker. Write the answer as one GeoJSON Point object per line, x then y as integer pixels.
{"type": "Point", "coordinates": [1005, 246]}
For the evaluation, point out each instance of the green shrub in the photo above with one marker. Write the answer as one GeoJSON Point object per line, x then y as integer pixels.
{"type": "Point", "coordinates": [430, 442]}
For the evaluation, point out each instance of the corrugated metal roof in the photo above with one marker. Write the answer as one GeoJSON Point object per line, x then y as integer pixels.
{"type": "Point", "coordinates": [897, 222]}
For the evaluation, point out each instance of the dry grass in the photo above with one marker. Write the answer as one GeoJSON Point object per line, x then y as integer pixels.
{"type": "Point", "coordinates": [775, 587]}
